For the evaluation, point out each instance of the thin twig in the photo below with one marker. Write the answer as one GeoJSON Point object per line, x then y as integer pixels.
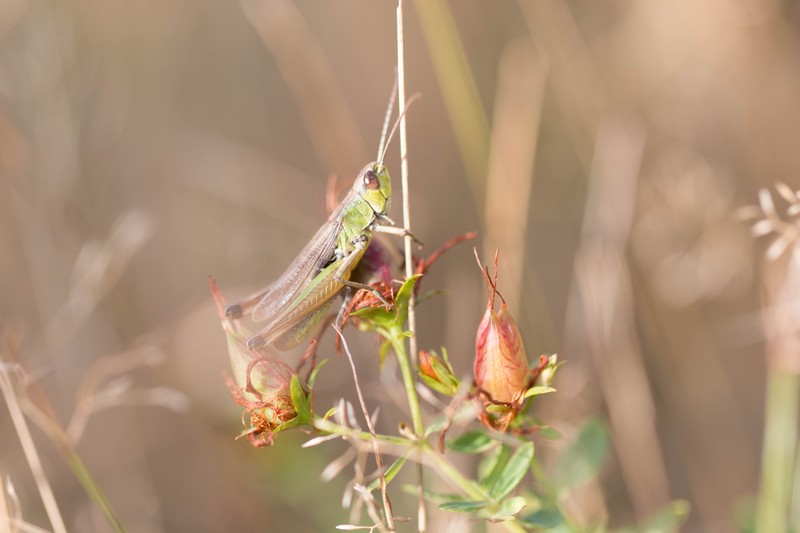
{"type": "Point", "coordinates": [387, 505]}
{"type": "Point", "coordinates": [42, 413]}
{"type": "Point", "coordinates": [6, 516]}
{"type": "Point", "coordinates": [31, 455]}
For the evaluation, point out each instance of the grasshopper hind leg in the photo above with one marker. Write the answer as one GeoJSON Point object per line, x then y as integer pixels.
{"type": "Point", "coordinates": [237, 309]}
{"type": "Point", "coordinates": [291, 337]}
{"type": "Point", "coordinates": [347, 294]}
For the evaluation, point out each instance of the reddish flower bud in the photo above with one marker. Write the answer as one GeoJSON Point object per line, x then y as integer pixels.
{"type": "Point", "coordinates": [501, 366]}
{"type": "Point", "coordinates": [426, 365]}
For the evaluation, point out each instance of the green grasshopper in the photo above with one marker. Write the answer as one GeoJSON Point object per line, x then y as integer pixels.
{"type": "Point", "coordinates": [298, 300]}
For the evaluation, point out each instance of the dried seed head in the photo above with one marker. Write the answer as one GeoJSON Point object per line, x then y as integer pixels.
{"type": "Point", "coordinates": [501, 365]}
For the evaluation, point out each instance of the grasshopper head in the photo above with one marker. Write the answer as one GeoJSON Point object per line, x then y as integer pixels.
{"type": "Point", "coordinates": [375, 186]}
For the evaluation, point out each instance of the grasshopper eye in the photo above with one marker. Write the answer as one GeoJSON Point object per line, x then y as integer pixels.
{"type": "Point", "coordinates": [371, 180]}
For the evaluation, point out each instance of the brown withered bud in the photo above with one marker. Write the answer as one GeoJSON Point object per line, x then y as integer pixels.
{"type": "Point", "coordinates": [259, 382]}
{"type": "Point", "coordinates": [501, 365]}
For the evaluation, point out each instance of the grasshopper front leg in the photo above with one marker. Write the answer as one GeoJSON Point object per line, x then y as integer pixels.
{"type": "Point", "coordinates": [342, 274]}
{"type": "Point", "coordinates": [392, 230]}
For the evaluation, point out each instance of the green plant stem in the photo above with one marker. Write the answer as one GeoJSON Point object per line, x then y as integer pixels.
{"type": "Point", "coordinates": [445, 468]}
{"type": "Point", "coordinates": [462, 101]}
{"type": "Point", "coordinates": [448, 470]}
{"type": "Point", "coordinates": [780, 445]}
{"type": "Point", "coordinates": [794, 509]}
{"type": "Point", "coordinates": [398, 344]}
{"type": "Point", "coordinates": [31, 454]}
{"type": "Point", "coordinates": [90, 486]}
{"type": "Point", "coordinates": [471, 488]}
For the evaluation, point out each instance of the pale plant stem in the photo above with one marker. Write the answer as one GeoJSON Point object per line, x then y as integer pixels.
{"type": "Point", "coordinates": [331, 427]}
{"type": "Point", "coordinates": [31, 455]}
{"type": "Point", "coordinates": [412, 316]}
{"type": "Point", "coordinates": [451, 473]}
{"type": "Point", "coordinates": [387, 504]}
{"type": "Point", "coordinates": [66, 447]}
{"type": "Point", "coordinates": [409, 259]}
{"type": "Point", "coordinates": [6, 518]}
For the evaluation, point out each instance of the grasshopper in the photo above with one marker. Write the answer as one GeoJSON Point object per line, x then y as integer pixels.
{"type": "Point", "coordinates": [298, 300]}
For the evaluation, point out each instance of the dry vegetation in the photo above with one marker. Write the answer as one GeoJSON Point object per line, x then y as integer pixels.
{"type": "Point", "coordinates": [603, 146]}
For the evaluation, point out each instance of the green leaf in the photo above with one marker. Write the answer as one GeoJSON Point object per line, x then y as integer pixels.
{"type": "Point", "coordinates": [509, 509]}
{"type": "Point", "coordinates": [472, 442]}
{"type": "Point", "coordinates": [447, 360]}
{"type": "Point", "coordinates": [668, 519]}
{"type": "Point", "coordinates": [436, 425]}
{"type": "Point", "coordinates": [538, 390]}
{"type": "Point", "coordinates": [494, 466]}
{"type": "Point", "coordinates": [513, 472]}
{"type": "Point", "coordinates": [582, 459]}
{"type": "Point", "coordinates": [390, 473]}
{"type": "Point", "coordinates": [403, 296]}
{"type": "Point", "coordinates": [444, 382]}
{"type": "Point", "coordinates": [300, 402]}
{"type": "Point", "coordinates": [546, 518]}
{"type": "Point", "coordinates": [441, 388]}
{"type": "Point", "coordinates": [313, 377]}
{"type": "Point", "coordinates": [464, 506]}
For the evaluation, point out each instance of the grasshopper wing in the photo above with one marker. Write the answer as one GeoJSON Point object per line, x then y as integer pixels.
{"type": "Point", "coordinates": [301, 316]}
{"type": "Point", "coordinates": [312, 259]}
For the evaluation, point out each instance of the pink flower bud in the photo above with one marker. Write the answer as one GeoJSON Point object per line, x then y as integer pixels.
{"type": "Point", "coordinates": [501, 366]}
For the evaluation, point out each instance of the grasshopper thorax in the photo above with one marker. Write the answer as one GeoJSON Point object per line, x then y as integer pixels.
{"type": "Point", "coordinates": [375, 186]}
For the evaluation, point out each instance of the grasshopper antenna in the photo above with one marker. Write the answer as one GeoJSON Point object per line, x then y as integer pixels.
{"type": "Point", "coordinates": [410, 101]}
{"type": "Point", "coordinates": [388, 116]}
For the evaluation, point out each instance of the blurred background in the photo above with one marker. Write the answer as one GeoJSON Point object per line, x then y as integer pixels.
{"type": "Point", "coordinates": [604, 147]}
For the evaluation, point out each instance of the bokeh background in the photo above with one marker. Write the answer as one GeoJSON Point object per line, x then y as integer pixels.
{"type": "Point", "coordinates": [604, 147]}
